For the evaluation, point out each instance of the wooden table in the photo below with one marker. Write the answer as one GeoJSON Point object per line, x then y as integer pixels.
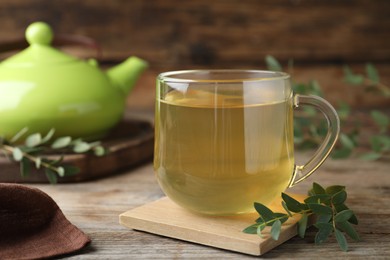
{"type": "Point", "coordinates": [94, 207]}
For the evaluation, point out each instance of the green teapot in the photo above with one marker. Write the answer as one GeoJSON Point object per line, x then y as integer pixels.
{"type": "Point", "coordinates": [42, 88]}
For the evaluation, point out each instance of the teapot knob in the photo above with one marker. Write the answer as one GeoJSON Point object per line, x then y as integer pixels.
{"type": "Point", "coordinates": [39, 33]}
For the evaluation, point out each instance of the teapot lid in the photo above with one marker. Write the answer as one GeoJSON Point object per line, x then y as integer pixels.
{"type": "Point", "coordinates": [40, 52]}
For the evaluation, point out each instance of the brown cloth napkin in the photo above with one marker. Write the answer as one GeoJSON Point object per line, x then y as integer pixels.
{"type": "Point", "coordinates": [33, 226]}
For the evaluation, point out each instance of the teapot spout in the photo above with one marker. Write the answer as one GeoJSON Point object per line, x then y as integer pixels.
{"type": "Point", "coordinates": [126, 74]}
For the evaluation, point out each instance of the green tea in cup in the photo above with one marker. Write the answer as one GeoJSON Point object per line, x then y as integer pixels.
{"type": "Point", "coordinates": [224, 138]}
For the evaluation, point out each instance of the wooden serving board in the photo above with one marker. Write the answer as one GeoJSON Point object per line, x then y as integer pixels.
{"type": "Point", "coordinates": [127, 145]}
{"type": "Point", "coordinates": [164, 217]}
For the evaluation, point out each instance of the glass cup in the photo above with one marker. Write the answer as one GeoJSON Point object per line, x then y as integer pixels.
{"type": "Point", "coordinates": [224, 138]}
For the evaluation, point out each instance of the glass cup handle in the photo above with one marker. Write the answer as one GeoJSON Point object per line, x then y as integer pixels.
{"type": "Point", "coordinates": [301, 172]}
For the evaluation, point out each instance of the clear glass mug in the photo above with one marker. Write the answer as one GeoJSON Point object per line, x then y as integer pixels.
{"type": "Point", "coordinates": [224, 138]}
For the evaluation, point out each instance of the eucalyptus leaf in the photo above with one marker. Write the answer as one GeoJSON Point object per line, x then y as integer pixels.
{"type": "Point", "coordinates": [320, 209]}
{"type": "Point", "coordinates": [275, 229]}
{"type": "Point", "coordinates": [38, 162]}
{"type": "Point", "coordinates": [17, 154]}
{"type": "Point", "coordinates": [341, 207]}
{"type": "Point", "coordinates": [272, 63]}
{"type": "Point", "coordinates": [323, 218]}
{"type": "Point", "coordinates": [302, 225]}
{"type": "Point", "coordinates": [61, 142]}
{"type": "Point", "coordinates": [343, 216]}
{"type": "Point", "coordinates": [70, 170]}
{"type": "Point", "coordinates": [33, 140]}
{"type": "Point", "coordinates": [61, 171]}
{"type": "Point", "coordinates": [381, 119]}
{"type": "Point", "coordinates": [341, 153]}
{"type": "Point", "coordinates": [51, 176]}
{"type": "Point", "coordinates": [286, 209]}
{"type": "Point", "coordinates": [334, 189]}
{"type": "Point", "coordinates": [81, 147]}
{"type": "Point", "coordinates": [25, 167]}
{"type": "Point", "coordinates": [99, 151]}
{"type": "Point", "coordinates": [372, 73]}
{"type": "Point", "coordinates": [319, 198]}
{"type": "Point", "coordinates": [370, 156]}
{"type": "Point", "coordinates": [281, 216]}
{"type": "Point", "coordinates": [291, 203]}
{"type": "Point", "coordinates": [348, 228]}
{"type": "Point", "coordinates": [350, 77]}
{"type": "Point", "coordinates": [318, 189]}
{"type": "Point", "coordinates": [346, 141]}
{"type": "Point", "coordinates": [263, 211]}
{"type": "Point", "coordinates": [19, 135]}
{"type": "Point", "coordinates": [259, 229]}
{"type": "Point", "coordinates": [324, 231]}
{"type": "Point", "coordinates": [252, 229]}
{"type": "Point", "coordinates": [339, 197]}
{"type": "Point", "coordinates": [341, 240]}
{"type": "Point", "coordinates": [48, 136]}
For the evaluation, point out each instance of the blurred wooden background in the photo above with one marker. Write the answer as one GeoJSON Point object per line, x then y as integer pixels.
{"type": "Point", "coordinates": [320, 36]}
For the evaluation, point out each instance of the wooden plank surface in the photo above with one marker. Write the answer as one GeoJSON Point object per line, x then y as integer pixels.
{"type": "Point", "coordinates": [95, 206]}
{"type": "Point", "coordinates": [214, 33]}
{"type": "Point", "coordinates": [164, 217]}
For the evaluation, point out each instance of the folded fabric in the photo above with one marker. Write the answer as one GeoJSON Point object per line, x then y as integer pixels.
{"type": "Point", "coordinates": [33, 226]}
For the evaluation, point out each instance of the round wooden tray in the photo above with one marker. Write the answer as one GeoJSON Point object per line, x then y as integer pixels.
{"type": "Point", "coordinates": [128, 145]}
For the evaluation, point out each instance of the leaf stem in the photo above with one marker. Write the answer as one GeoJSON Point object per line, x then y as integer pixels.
{"type": "Point", "coordinates": [34, 159]}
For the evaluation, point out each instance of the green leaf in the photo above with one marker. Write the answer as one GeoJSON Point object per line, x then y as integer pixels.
{"type": "Point", "coordinates": [259, 229]}
{"type": "Point", "coordinates": [291, 203]}
{"type": "Point", "coordinates": [371, 156]}
{"type": "Point", "coordinates": [286, 209]}
{"type": "Point", "coordinates": [346, 141]}
{"type": "Point", "coordinates": [61, 171]}
{"type": "Point", "coordinates": [341, 207]}
{"type": "Point", "coordinates": [81, 147]}
{"type": "Point", "coordinates": [372, 73]}
{"type": "Point", "coordinates": [25, 167]}
{"type": "Point", "coordinates": [381, 119]}
{"type": "Point", "coordinates": [343, 216]}
{"type": "Point", "coordinates": [315, 88]}
{"type": "Point", "coordinates": [61, 142]}
{"type": "Point", "coordinates": [99, 151]}
{"type": "Point", "coordinates": [19, 134]}
{"type": "Point", "coordinates": [348, 228]}
{"type": "Point", "coordinates": [380, 143]}
{"type": "Point", "coordinates": [323, 218]}
{"type": "Point", "coordinates": [320, 198]}
{"type": "Point", "coordinates": [70, 170]}
{"type": "Point", "coordinates": [351, 78]}
{"type": "Point", "coordinates": [272, 63]}
{"type": "Point", "coordinates": [341, 153]}
{"type": "Point", "coordinates": [17, 154]}
{"type": "Point", "coordinates": [343, 110]}
{"type": "Point", "coordinates": [252, 229]}
{"type": "Point", "coordinates": [341, 240]}
{"type": "Point", "coordinates": [339, 197]}
{"type": "Point", "coordinates": [51, 176]}
{"type": "Point", "coordinates": [320, 209]}
{"type": "Point", "coordinates": [38, 162]}
{"type": "Point", "coordinates": [275, 229]}
{"type": "Point", "coordinates": [265, 213]}
{"type": "Point", "coordinates": [281, 216]}
{"type": "Point", "coordinates": [48, 136]}
{"type": "Point", "coordinates": [324, 231]}
{"type": "Point", "coordinates": [334, 189]}
{"type": "Point", "coordinates": [318, 189]}
{"type": "Point", "coordinates": [302, 225]}
{"type": "Point", "coordinates": [33, 140]}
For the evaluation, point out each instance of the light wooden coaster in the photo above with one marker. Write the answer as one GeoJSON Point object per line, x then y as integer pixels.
{"type": "Point", "coordinates": [164, 217]}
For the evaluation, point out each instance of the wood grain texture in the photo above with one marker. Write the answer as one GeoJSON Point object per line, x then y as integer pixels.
{"type": "Point", "coordinates": [95, 206]}
{"type": "Point", "coordinates": [164, 217]}
{"type": "Point", "coordinates": [215, 33]}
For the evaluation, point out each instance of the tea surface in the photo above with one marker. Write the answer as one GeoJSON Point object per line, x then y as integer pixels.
{"type": "Point", "coordinates": [217, 154]}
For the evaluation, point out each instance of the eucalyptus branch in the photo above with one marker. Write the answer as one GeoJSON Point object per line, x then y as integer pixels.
{"type": "Point", "coordinates": [327, 205]}
{"type": "Point", "coordinates": [34, 152]}
{"type": "Point", "coordinates": [308, 134]}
